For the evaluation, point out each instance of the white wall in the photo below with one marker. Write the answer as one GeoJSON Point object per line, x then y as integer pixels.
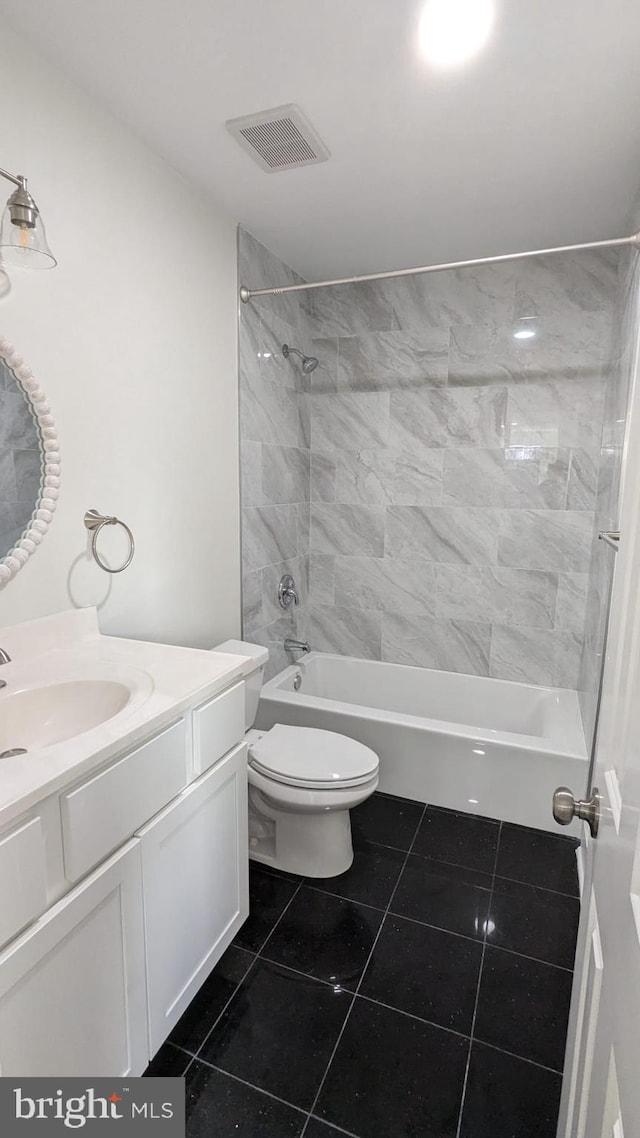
{"type": "Point", "coordinates": [133, 338]}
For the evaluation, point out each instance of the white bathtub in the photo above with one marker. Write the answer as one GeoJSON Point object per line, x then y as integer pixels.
{"type": "Point", "coordinates": [485, 746]}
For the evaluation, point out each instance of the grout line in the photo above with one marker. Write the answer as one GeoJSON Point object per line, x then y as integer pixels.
{"type": "Point", "coordinates": [270, 934]}
{"type": "Point", "coordinates": [242, 978]}
{"type": "Point", "coordinates": [475, 1009]}
{"type": "Point", "coordinates": [543, 888]}
{"type": "Point", "coordinates": [410, 1015]}
{"type": "Point", "coordinates": [522, 1058]}
{"type": "Point", "coordinates": [329, 1125]}
{"type": "Point", "coordinates": [245, 1083]}
{"type": "Point", "coordinates": [362, 975]}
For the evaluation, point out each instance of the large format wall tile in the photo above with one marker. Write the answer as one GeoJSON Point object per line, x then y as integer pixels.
{"type": "Point", "coordinates": [285, 474]}
{"type": "Point", "coordinates": [393, 360]}
{"type": "Point", "coordinates": [346, 421]}
{"type": "Point", "coordinates": [453, 417]}
{"type": "Point", "coordinates": [463, 296]}
{"type": "Point", "coordinates": [509, 596]}
{"type": "Point", "coordinates": [349, 632]}
{"type": "Point", "coordinates": [348, 310]}
{"type": "Point", "coordinates": [535, 656]}
{"type": "Point", "coordinates": [385, 477]}
{"type": "Point", "coordinates": [514, 478]}
{"type": "Point", "coordinates": [269, 413]}
{"type": "Point", "coordinates": [269, 534]}
{"type": "Point", "coordinates": [546, 539]}
{"type": "Point", "coordinates": [556, 345]}
{"type": "Point", "coordinates": [454, 646]}
{"type": "Point", "coordinates": [556, 413]}
{"type": "Point", "coordinates": [347, 529]}
{"type": "Point", "coordinates": [375, 583]}
{"type": "Point", "coordinates": [461, 536]}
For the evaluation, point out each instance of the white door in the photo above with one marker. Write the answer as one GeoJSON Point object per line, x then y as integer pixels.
{"type": "Point", "coordinates": [601, 1090]}
{"type": "Point", "coordinates": [196, 887]}
{"type": "Point", "coordinates": [72, 987]}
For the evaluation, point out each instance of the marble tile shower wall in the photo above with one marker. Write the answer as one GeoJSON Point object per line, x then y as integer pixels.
{"type": "Point", "coordinates": [274, 451]}
{"type": "Point", "coordinates": [19, 461]}
{"type": "Point", "coordinates": [624, 338]}
{"type": "Point", "coordinates": [454, 466]}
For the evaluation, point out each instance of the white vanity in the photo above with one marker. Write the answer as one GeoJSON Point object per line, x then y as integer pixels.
{"type": "Point", "coordinates": [123, 841]}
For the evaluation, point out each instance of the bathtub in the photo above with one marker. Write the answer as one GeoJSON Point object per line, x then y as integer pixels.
{"type": "Point", "coordinates": [484, 746]}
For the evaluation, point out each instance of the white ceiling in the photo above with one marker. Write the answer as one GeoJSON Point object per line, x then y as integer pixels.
{"type": "Point", "coordinates": [534, 142]}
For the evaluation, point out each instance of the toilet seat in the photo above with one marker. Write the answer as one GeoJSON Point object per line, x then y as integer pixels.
{"type": "Point", "coordinates": [311, 758]}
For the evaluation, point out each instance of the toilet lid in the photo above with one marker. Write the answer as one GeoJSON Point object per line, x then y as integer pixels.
{"type": "Point", "coordinates": [306, 756]}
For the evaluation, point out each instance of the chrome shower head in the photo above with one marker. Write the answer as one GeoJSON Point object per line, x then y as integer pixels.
{"type": "Point", "coordinates": [309, 363]}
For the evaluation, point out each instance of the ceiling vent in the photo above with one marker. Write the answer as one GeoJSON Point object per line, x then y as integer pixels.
{"type": "Point", "coordinates": [279, 139]}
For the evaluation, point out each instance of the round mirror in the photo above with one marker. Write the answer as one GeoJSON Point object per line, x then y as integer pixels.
{"type": "Point", "coordinates": [29, 464]}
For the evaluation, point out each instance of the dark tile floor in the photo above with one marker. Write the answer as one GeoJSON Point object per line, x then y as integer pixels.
{"type": "Point", "coordinates": [422, 994]}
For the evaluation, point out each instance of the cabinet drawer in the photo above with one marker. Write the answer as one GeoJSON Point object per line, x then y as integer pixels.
{"type": "Point", "coordinates": [217, 727]}
{"type": "Point", "coordinates": [23, 877]}
{"type": "Point", "coordinates": [102, 813]}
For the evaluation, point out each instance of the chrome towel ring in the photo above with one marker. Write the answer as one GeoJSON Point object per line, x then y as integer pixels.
{"type": "Point", "coordinates": [94, 522]}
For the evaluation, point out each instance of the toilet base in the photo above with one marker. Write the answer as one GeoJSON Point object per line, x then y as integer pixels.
{"type": "Point", "coordinates": [310, 845]}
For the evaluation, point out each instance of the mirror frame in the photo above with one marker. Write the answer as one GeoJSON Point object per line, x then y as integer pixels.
{"type": "Point", "coordinates": [40, 520]}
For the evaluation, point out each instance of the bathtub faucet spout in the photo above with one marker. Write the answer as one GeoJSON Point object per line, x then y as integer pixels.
{"type": "Point", "coordinates": [296, 646]}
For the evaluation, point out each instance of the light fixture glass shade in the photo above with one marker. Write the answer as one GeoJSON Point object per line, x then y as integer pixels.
{"type": "Point", "coordinates": [24, 248]}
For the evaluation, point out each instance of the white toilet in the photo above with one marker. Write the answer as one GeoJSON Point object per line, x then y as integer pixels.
{"type": "Point", "coordinates": [302, 784]}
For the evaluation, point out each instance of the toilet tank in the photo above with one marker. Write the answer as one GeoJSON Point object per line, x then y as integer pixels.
{"type": "Point", "coordinates": [253, 679]}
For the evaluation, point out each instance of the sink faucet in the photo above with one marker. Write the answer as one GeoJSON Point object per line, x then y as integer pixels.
{"type": "Point", "coordinates": [4, 657]}
{"type": "Point", "coordinates": [296, 646]}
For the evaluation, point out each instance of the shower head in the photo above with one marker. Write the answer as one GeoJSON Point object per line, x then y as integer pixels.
{"type": "Point", "coordinates": [309, 363]}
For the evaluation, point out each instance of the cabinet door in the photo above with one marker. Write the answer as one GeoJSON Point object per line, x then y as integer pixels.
{"type": "Point", "coordinates": [196, 888]}
{"type": "Point", "coordinates": [72, 988]}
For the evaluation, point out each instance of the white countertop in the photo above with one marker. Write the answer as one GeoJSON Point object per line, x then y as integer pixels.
{"type": "Point", "coordinates": [164, 681]}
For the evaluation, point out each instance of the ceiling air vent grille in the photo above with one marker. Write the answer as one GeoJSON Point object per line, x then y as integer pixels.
{"type": "Point", "coordinates": [279, 139]}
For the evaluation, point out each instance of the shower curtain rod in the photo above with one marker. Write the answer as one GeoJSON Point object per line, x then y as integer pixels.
{"type": "Point", "coordinates": [247, 293]}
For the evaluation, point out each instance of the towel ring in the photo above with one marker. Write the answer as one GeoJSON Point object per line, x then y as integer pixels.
{"type": "Point", "coordinates": [94, 522]}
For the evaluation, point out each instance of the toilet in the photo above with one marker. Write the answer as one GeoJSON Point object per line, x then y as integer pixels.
{"type": "Point", "coordinates": [302, 784]}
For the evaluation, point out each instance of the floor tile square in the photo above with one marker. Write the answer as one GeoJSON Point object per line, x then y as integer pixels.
{"type": "Point", "coordinates": [268, 897]}
{"type": "Point", "coordinates": [221, 1106]}
{"type": "Point", "coordinates": [167, 1062]}
{"type": "Point", "coordinates": [326, 937]}
{"type": "Point", "coordinates": [534, 921]}
{"type": "Point", "coordinates": [462, 839]}
{"type": "Point", "coordinates": [538, 858]}
{"type": "Point", "coordinates": [388, 821]}
{"type": "Point", "coordinates": [205, 1007]}
{"type": "Point", "coordinates": [506, 1097]}
{"type": "Point", "coordinates": [278, 1032]}
{"type": "Point", "coordinates": [426, 972]}
{"type": "Point", "coordinates": [395, 1076]}
{"type": "Point", "coordinates": [447, 896]}
{"type": "Point", "coordinates": [523, 1007]}
{"type": "Point", "coordinates": [371, 878]}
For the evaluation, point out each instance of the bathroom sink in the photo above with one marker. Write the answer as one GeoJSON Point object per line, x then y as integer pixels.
{"type": "Point", "coordinates": [41, 716]}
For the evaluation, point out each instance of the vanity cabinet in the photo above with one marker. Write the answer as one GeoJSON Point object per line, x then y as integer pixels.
{"type": "Point", "coordinates": [150, 854]}
{"type": "Point", "coordinates": [195, 875]}
{"type": "Point", "coordinates": [72, 987]}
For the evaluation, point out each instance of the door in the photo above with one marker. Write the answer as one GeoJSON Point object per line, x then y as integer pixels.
{"type": "Point", "coordinates": [195, 867]}
{"type": "Point", "coordinates": [601, 1090]}
{"type": "Point", "coordinates": [72, 987]}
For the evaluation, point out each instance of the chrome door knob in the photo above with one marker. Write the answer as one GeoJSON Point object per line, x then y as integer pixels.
{"type": "Point", "coordinates": [566, 807]}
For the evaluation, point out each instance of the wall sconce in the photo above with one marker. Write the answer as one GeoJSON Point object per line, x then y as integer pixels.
{"type": "Point", "coordinates": [23, 241]}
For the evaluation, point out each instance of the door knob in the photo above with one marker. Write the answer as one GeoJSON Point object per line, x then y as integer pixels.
{"type": "Point", "coordinates": [566, 807]}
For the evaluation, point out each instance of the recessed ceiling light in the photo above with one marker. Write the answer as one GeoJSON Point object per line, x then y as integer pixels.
{"type": "Point", "coordinates": [524, 334]}
{"type": "Point", "coordinates": [451, 31]}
